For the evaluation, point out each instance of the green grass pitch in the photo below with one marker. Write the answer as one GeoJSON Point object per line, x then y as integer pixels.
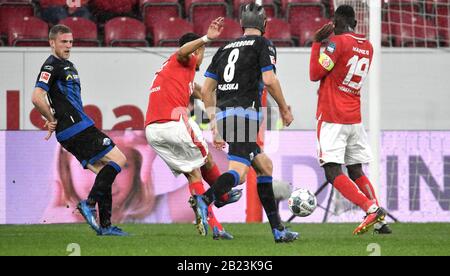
{"type": "Point", "coordinates": [250, 239]}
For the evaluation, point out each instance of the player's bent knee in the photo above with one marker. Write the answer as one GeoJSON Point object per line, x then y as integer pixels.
{"type": "Point", "coordinates": [115, 166]}
{"type": "Point", "coordinates": [355, 171]}
{"type": "Point", "coordinates": [242, 175]}
{"type": "Point", "coordinates": [122, 162]}
{"type": "Point", "coordinates": [268, 168]}
{"type": "Point", "coordinates": [263, 162]}
{"type": "Point", "coordinates": [241, 169]}
{"type": "Point", "coordinates": [209, 162]}
{"type": "Point", "coordinates": [120, 159]}
{"type": "Point", "coordinates": [264, 168]}
{"type": "Point", "coordinates": [196, 173]}
{"type": "Point", "coordinates": [194, 176]}
{"type": "Point", "coordinates": [331, 176]}
{"type": "Point", "coordinates": [332, 171]}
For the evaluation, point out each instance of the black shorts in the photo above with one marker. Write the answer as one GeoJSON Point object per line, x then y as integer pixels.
{"type": "Point", "coordinates": [89, 146]}
{"type": "Point", "coordinates": [241, 134]}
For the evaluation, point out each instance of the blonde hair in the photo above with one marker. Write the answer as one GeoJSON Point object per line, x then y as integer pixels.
{"type": "Point", "coordinates": [58, 29]}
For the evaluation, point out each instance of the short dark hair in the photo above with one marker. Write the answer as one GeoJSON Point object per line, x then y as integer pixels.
{"type": "Point", "coordinates": [58, 29]}
{"type": "Point", "coordinates": [347, 14]}
{"type": "Point", "coordinates": [186, 38]}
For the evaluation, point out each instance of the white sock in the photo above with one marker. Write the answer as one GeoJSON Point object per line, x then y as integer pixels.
{"type": "Point", "coordinates": [372, 209]}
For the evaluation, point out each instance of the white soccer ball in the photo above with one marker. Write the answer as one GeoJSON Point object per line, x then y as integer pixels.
{"type": "Point", "coordinates": [302, 202]}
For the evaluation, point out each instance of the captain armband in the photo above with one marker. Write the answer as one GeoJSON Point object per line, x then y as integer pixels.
{"type": "Point", "coordinates": [326, 62]}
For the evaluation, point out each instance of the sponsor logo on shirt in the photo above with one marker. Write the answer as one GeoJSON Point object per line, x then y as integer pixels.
{"type": "Point", "coordinates": [331, 47]}
{"type": "Point", "coordinates": [45, 77]}
{"type": "Point", "coordinates": [72, 77]}
{"type": "Point", "coordinates": [155, 89]}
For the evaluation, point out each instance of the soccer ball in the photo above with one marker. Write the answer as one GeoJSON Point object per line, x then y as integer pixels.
{"type": "Point", "coordinates": [302, 202]}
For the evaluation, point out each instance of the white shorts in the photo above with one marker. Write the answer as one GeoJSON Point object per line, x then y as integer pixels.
{"type": "Point", "coordinates": [179, 143]}
{"type": "Point", "coordinates": [343, 144]}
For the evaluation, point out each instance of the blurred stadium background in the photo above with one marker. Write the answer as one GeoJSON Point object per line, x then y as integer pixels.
{"type": "Point", "coordinates": [120, 44]}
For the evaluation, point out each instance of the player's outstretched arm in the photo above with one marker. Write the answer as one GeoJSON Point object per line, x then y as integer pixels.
{"type": "Point", "coordinates": [40, 102]}
{"type": "Point", "coordinates": [209, 97]}
{"type": "Point", "coordinates": [274, 87]}
{"type": "Point", "coordinates": [214, 31]}
{"type": "Point", "coordinates": [210, 101]}
{"type": "Point", "coordinates": [197, 93]}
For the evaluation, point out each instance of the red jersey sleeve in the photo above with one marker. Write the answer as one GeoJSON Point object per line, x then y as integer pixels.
{"type": "Point", "coordinates": [322, 63]}
{"type": "Point", "coordinates": [192, 63]}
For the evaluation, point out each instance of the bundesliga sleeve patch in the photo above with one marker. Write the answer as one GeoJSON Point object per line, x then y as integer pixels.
{"type": "Point", "coordinates": [45, 77]}
{"type": "Point", "coordinates": [331, 47]}
{"type": "Point", "coordinates": [326, 62]}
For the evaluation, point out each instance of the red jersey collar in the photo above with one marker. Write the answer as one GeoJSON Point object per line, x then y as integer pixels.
{"type": "Point", "coordinates": [355, 35]}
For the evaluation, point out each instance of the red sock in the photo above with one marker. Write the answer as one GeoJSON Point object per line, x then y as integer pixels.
{"type": "Point", "coordinates": [210, 176]}
{"type": "Point", "coordinates": [197, 188]}
{"type": "Point", "coordinates": [366, 187]}
{"type": "Point", "coordinates": [351, 192]}
{"type": "Point", "coordinates": [212, 221]}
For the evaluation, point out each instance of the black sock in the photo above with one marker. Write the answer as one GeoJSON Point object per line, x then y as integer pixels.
{"type": "Point", "coordinates": [102, 192]}
{"type": "Point", "coordinates": [265, 192]}
{"type": "Point", "coordinates": [105, 210]}
{"type": "Point", "coordinates": [223, 185]}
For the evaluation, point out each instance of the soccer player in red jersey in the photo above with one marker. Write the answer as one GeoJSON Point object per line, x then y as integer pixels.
{"type": "Point", "coordinates": [342, 140]}
{"type": "Point", "coordinates": [169, 131]}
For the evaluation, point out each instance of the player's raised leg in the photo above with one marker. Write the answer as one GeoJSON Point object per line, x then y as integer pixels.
{"type": "Point", "coordinates": [196, 188]}
{"type": "Point", "coordinates": [210, 173]}
{"type": "Point", "coordinates": [235, 175]}
{"type": "Point", "coordinates": [223, 185]}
